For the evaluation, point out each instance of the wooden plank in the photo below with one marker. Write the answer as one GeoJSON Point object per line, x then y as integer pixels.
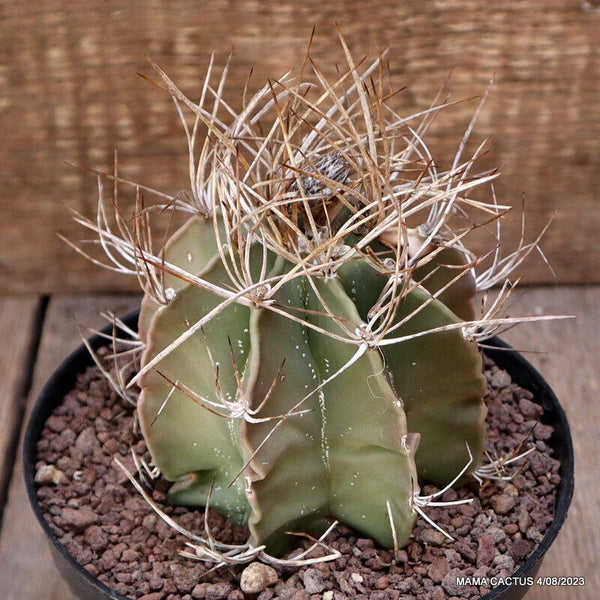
{"type": "Point", "coordinates": [27, 570]}
{"type": "Point", "coordinates": [70, 93]}
{"type": "Point", "coordinates": [18, 322]}
{"type": "Point", "coordinates": [569, 362]}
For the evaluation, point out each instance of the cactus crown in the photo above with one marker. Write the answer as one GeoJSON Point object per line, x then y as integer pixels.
{"type": "Point", "coordinates": [309, 340]}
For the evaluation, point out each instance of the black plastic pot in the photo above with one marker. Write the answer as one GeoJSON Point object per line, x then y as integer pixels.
{"type": "Point", "coordinates": [86, 587]}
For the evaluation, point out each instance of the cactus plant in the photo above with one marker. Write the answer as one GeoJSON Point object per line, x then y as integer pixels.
{"type": "Point", "coordinates": [309, 337]}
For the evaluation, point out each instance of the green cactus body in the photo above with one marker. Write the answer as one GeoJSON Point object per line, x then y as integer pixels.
{"type": "Point", "coordinates": [437, 376]}
{"type": "Point", "coordinates": [348, 451]}
{"type": "Point", "coordinates": [307, 456]}
{"type": "Point", "coordinates": [347, 458]}
{"type": "Point", "coordinates": [190, 444]}
{"type": "Point", "coordinates": [371, 462]}
{"type": "Point", "coordinates": [445, 276]}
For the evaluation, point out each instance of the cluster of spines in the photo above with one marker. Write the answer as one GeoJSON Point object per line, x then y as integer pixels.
{"type": "Point", "coordinates": [297, 331]}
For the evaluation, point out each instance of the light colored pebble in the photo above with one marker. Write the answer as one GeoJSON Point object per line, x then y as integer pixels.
{"type": "Point", "coordinates": [49, 474]}
{"type": "Point", "coordinates": [256, 577]}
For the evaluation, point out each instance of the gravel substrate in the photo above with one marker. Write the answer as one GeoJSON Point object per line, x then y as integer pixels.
{"type": "Point", "coordinates": [110, 529]}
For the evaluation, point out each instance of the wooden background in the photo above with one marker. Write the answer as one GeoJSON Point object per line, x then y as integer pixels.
{"type": "Point", "coordinates": [69, 93]}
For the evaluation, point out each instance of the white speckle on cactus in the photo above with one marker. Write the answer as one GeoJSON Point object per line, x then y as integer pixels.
{"type": "Point", "coordinates": [324, 441]}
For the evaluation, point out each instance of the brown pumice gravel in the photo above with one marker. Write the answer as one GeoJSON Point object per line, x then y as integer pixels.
{"type": "Point", "coordinates": [106, 525]}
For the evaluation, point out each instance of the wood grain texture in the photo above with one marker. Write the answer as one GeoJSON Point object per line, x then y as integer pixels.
{"type": "Point", "coordinates": [18, 335]}
{"type": "Point", "coordinates": [69, 92]}
{"type": "Point", "coordinates": [26, 567]}
{"type": "Point", "coordinates": [568, 360]}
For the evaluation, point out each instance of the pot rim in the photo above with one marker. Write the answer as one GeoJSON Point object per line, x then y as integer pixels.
{"type": "Point", "coordinates": [526, 375]}
{"type": "Point", "coordinates": [521, 371]}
